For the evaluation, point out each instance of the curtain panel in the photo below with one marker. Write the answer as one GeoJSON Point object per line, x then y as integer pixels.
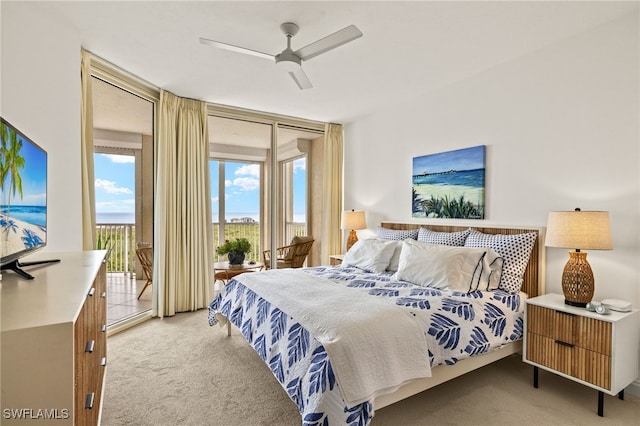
{"type": "Point", "coordinates": [86, 152]}
{"type": "Point", "coordinates": [183, 249]}
{"type": "Point", "coordinates": [332, 191]}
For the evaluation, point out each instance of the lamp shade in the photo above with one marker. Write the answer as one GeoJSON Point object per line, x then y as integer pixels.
{"type": "Point", "coordinates": [353, 219]}
{"type": "Point", "coordinates": [579, 230]}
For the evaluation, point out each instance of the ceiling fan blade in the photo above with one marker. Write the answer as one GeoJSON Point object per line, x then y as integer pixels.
{"type": "Point", "coordinates": [329, 42]}
{"type": "Point", "coordinates": [237, 49]}
{"type": "Point", "coordinates": [301, 79]}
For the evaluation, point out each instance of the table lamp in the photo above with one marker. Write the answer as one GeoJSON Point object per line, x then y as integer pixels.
{"type": "Point", "coordinates": [352, 220]}
{"type": "Point", "coordinates": [578, 230]}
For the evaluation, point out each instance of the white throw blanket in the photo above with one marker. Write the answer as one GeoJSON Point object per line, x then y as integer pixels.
{"type": "Point", "coordinates": [374, 346]}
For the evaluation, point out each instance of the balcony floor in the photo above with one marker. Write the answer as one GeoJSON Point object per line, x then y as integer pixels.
{"type": "Point", "coordinates": [122, 297]}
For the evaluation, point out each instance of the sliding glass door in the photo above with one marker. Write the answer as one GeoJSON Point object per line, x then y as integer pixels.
{"type": "Point", "coordinates": [259, 184]}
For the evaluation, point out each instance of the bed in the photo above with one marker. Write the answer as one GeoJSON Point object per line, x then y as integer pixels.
{"type": "Point", "coordinates": [405, 336]}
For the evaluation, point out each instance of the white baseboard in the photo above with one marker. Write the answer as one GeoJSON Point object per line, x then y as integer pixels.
{"type": "Point", "coordinates": [634, 388]}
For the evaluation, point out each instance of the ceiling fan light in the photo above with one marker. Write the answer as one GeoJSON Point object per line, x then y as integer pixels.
{"type": "Point", "coordinates": [288, 61]}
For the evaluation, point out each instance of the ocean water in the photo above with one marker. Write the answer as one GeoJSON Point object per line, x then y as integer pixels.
{"type": "Point", "coordinates": [35, 215]}
{"type": "Point", "coordinates": [115, 218]}
{"type": "Point", "coordinates": [472, 178]}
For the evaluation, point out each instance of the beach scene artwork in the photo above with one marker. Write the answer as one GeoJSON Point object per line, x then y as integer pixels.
{"type": "Point", "coordinates": [449, 184]}
{"type": "Point", "coordinates": [23, 193]}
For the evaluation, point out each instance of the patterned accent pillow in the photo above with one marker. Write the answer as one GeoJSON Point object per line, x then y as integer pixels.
{"type": "Point", "coordinates": [515, 249]}
{"type": "Point", "coordinates": [397, 234]}
{"type": "Point", "coordinates": [443, 238]}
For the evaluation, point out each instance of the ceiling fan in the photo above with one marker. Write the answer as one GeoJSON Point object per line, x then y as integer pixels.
{"type": "Point", "coordinates": [291, 61]}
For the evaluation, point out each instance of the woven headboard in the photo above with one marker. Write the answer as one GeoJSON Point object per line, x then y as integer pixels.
{"type": "Point", "coordinates": [534, 275]}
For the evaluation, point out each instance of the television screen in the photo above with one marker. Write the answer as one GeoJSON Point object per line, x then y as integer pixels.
{"type": "Point", "coordinates": [23, 197]}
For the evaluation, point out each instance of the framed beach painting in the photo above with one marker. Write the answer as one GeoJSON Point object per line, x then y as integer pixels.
{"type": "Point", "coordinates": [449, 184]}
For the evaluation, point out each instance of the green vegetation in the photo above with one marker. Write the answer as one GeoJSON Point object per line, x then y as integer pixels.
{"type": "Point", "coordinates": [239, 245]}
{"type": "Point", "coordinates": [121, 239]}
{"type": "Point", "coordinates": [445, 207]}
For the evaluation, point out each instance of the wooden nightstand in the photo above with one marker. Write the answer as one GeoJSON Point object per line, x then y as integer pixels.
{"type": "Point", "coordinates": [599, 351]}
{"type": "Point", "coordinates": [335, 259]}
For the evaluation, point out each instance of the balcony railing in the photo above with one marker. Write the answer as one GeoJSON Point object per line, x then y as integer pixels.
{"type": "Point", "coordinates": [120, 240]}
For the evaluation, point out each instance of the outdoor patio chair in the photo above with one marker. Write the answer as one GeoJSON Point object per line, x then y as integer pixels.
{"type": "Point", "coordinates": [291, 256]}
{"type": "Point", "coordinates": [144, 251]}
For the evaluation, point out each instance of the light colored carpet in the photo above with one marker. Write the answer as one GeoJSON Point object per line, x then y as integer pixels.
{"type": "Point", "coordinates": [180, 371]}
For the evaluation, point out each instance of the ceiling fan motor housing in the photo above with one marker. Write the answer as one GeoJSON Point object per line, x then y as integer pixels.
{"type": "Point", "coordinates": [288, 60]}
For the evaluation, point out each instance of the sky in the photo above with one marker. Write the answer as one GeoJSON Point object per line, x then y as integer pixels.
{"type": "Point", "coordinates": [34, 178]}
{"type": "Point", "coordinates": [461, 159]}
{"type": "Point", "coordinates": [115, 186]}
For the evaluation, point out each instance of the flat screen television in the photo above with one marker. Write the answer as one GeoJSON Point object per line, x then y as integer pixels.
{"type": "Point", "coordinates": [23, 199]}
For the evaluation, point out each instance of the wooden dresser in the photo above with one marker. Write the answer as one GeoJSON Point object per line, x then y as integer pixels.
{"type": "Point", "coordinates": [599, 351]}
{"type": "Point", "coordinates": [54, 341]}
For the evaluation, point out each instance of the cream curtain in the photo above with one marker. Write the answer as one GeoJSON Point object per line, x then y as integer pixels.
{"type": "Point", "coordinates": [183, 256]}
{"type": "Point", "coordinates": [86, 128]}
{"type": "Point", "coordinates": [332, 191]}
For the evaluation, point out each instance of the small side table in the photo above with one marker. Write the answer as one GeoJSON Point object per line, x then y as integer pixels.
{"type": "Point", "coordinates": [335, 259]}
{"type": "Point", "coordinates": [224, 271]}
{"type": "Point", "coordinates": [599, 351]}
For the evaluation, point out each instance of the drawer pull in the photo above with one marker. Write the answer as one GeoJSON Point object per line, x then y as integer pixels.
{"type": "Point", "coordinates": [88, 402]}
{"type": "Point", "coordinates": [560, 342]}
{"type": "Point", "coordinates": [103, 328]}
{"type": "Point", "coordinates": [89, 346]}
{"type": "Point", "coordinates": [92, 291]}
{"type": "Point", "coordinates": [104, 294]}
{"type": "Point", "coordinates": [103, 361]}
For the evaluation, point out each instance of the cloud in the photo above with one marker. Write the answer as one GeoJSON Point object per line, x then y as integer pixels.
{"type": "Point", "coordinates": [247, 183]}
{"type": "Point", "coordinates": [299, 164]}
{"type": "Point", "coordinates": [120, 158]}
{"type": "Point", "coordinates": [110, 187]}
{"type": "Point", "coordinates": [249, 169]}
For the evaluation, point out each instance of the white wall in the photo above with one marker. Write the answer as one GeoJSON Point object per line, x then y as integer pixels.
{"type": "Point", "coordinates": [561, 128]}
{"type": "Point", "coordinates": [40, 95]}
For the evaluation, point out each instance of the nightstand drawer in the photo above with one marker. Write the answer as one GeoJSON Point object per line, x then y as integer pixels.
{"type": "Point", "coordinates": [570, 329]}
{"type": "Point", "coordinates": [575, 361]}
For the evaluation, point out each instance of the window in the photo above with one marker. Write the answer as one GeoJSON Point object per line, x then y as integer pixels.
{"type": "Point", "coordinates": [235, 203]}
{"type": "Point", "coordinates": [294, 198]}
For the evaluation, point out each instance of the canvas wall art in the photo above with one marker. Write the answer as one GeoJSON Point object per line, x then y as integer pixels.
{"type": "Point", "coordinates": [449, 184]}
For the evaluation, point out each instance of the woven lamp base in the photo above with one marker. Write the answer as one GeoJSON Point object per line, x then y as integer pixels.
{"type": "Point", "coordinates": [351, 239]}
{"type": "Point", "coordinates": [577, 280]}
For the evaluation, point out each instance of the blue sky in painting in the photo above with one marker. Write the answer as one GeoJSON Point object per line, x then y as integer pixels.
{"type": "Point", "coordinates": [461, 159]}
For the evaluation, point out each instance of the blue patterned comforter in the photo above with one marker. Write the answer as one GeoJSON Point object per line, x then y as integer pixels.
{"type": "Point", "coordinates": [460, 325]}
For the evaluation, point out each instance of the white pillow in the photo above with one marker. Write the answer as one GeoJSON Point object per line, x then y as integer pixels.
{"type": "Point", "coordinates": [372, 254]}
{"type": "Point", "coordinates": [395, 258]}
{"type": "Point", "coordinates": [445, 267]}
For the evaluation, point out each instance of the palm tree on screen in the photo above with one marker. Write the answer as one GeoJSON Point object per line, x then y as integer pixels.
{"type": "Point", "coordinates": [10, 165]}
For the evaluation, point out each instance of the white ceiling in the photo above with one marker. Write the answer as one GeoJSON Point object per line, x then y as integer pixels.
{"type": "Point", "coordinates": [408, 48]}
